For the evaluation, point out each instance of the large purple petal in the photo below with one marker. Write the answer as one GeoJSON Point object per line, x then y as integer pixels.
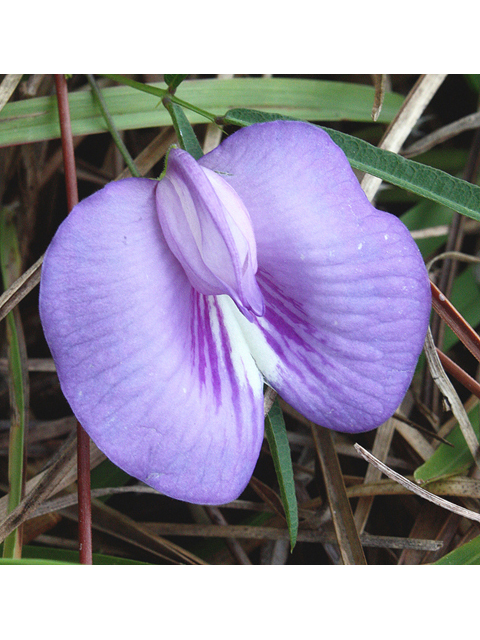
{"type": "Point", "coordinates": [157, 374]}
{"type": "Point", "coordinates": [346, 291]}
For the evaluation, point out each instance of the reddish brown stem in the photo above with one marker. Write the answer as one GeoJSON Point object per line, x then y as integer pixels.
{"type": "Point", "coordinates": [456, 322]}
{"type": "Point", "coordinates": [459, 374]}
{"type": "Point", "coordinates": [83, 441]}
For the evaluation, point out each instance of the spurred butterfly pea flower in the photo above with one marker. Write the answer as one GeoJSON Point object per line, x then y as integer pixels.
{"type": "Point", "coordinates": [168, 303]}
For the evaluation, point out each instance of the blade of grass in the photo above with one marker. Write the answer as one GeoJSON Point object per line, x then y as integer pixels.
{"type": "Point", "coordinates": [399, 129]}
{"type": "Point", "coordinates": [467, 554]}
{"type": "Point", "coordinates": [316, 100]}
{"type": "Point", "coordinates": [347, 536]}
{"type": "Point", "coordinates": [459, 487]}
{"type": "Point", "coordinates": [17, 380]}
{"type": "Point", "coordinates": [8, 86]}
{"type": "Point", "coordinates": [60, 474]}
{"type": "Point", "coordinates": [20, 288]}
{"type": "Point", "coordinates": [419, 491]}
{"type": "Point", "coordinates": [448, 391]}
{"type": "Point", "coordinates": [257, 532]}
{"type": "Point", "coordinates": [43, 486]}
{"type": "Point", "coordinates": [276, 434]}
{"type": "Point", "coordinates": [114, 523]}
{"type": "Point", "coordinates": [450, 460]}
{"type": "Point", "coordinates": [381, 447]}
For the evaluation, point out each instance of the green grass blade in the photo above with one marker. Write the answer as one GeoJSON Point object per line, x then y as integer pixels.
{"type": "Point", "coordinates": [448, 461]}
{"type": "Point", "coordinates": [418, 178]}
{"type": "Point", "coordinates": [34, 554]}
{"type": "Point", "coordinates": [280, 449]}
{"type": "Point", "coordinates": [468, 553]}
{"type": "Point", "coordinates": [316, 100]}
{"type": "Point", "coordinates": [10, 263]}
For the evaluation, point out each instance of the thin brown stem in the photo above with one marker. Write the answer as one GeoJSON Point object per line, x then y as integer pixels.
{"type": "Point", "coordinates": [455, 321]}
{"type": "Point", "coordinates": [83, 443]}
{"type": "Point", "coordinates": [459, 374]}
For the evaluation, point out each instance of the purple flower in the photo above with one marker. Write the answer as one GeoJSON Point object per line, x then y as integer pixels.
{"type": "Point", "coordinates": [167, 304]}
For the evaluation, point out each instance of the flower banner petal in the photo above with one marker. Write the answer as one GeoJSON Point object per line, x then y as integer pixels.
{"type": "Point", "coordinates": [346, 292]}
{"type": "Point", "coordinates": [157, 374]}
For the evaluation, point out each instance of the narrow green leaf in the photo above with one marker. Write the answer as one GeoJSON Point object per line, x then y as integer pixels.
{"type": "Point", "coordinates": [448, 461]}
{"type": "Point", "coordinates": [418, 178]}
{"type": "Point", "coordinates": [247, 117]}
{"type": "Point", "coordinates": [50, 555]}
{"type": "Point", "coordinates": [280, 449]}
{"type": "Point", "coordinates": [174, 81]}
{"type": "Point", "coordinates": [467, 554]}
{"type": "Point", "coordinates": [30, 561]}
{"type": "Point", "coordinates": [136, 105]}
{"type": "Point", "coordinates": [10, 263]}
{"type": "Point", "coordinates": [184, 130]}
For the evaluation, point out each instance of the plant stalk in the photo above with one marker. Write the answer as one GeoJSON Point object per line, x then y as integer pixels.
{"type": "Point", "coordinates": [83, 441]}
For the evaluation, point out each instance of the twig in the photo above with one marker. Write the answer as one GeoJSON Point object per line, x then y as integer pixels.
{"type": "Point", "coordinates": [381, 447]}
{"type": "Point", "coordinates": [83, 442]}
{"type": "Point", "coordinates": [449, 268]}
{"type": "Point", "coordinates": [235, 547]}
{"type": "Point", "coordinates": [414, 488]}
{"type": "Point", "coordinates": [20, 288]}
{"type": "Point", "coordinates": [467, 123]}
{"type": "Point", "coordinates": [8, 86]}
{"type": "Point", "coordinates": [459, 374]}
{"type": "Point", "coordinates": [274, 533]}
{"type": "Point", "coordinates": [347, 536]}
{"type": "Point", "coordinates": [455, 321]}
{"type": "Point", "coordinates": [405, 120]}
{"type": "Point", "coordinates": [379, 82]}
{"type": "Point", "coordinates": [63, 462]}
{"type": "Point", "coordinates": [448, 391]}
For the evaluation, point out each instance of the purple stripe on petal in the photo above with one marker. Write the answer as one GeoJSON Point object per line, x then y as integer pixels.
{"type": "Point", "coordinates": [140, 355]}
{"type": "Point", "coordinates": [346, 291]}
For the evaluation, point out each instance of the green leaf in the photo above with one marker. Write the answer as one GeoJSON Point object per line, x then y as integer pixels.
{"type": "Point", "coordinates": [31, 561]}
{"type": "Point", "coordinates": [418, 178]}
{"type": "Point", "coordinates": [174, 81]}
{"type": "Point", "coordinates": [280, 449]}
{"type": "Point", "coordinates": [11, 267]}
{"type": "Point", "coordinates": [184, 130]}
{"type": "Point", "coordinates": [34, 554]}
{"type": "Point", "coordinates": [468, 553]}
{"type": "Point", "coordinates": [448, 461]}
{"type": "Point", "coordinates": [317, 100]}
